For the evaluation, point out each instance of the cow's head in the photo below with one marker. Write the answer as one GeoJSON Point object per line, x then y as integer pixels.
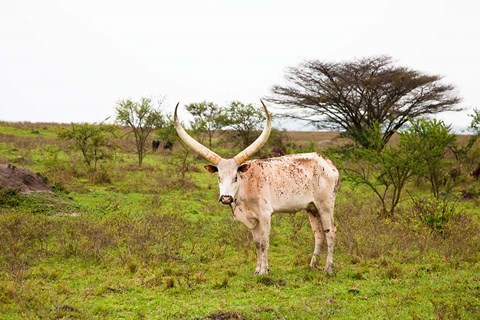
{"type": "Point", "coordinates": [228, 170]}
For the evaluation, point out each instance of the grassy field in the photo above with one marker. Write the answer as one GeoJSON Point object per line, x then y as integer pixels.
{"type": "Point", "coordinates": [147, 243]}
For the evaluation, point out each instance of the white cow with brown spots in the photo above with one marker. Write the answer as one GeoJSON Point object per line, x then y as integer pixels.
{"type": "Point", "coordinates": [257, 188]}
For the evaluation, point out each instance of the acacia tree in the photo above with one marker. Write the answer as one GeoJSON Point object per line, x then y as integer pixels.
{"type": "Point", "coordinates": [359, 96]}
{"type": "Point", "coordinates": [142, 118]}
{"type": "Point", "coordinates": [180, 157]}
{"type": "Point", "coordinates": [207, 117]}
{"type": "Point", "coordinates": [245, 120]}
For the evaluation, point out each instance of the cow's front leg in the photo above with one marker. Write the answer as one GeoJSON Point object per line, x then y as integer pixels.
{"type": "Point", "coordinates": [261, 236]}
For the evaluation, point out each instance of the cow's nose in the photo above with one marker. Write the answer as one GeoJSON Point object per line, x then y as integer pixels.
{"type": "Point", "coordinates": [226, 199]}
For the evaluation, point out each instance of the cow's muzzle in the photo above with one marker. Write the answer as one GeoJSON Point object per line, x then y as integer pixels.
{"type": "Point", "coordinates": [226, 199]}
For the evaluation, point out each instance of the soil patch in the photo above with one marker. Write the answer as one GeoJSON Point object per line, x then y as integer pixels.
{"type": "Point", "coordinates": [22, 180]}
{"type": "Point", "coordinates": [225, 315]}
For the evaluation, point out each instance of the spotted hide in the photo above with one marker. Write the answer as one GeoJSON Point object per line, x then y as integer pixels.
{"type": "Point", "coordinates": [255, 189]}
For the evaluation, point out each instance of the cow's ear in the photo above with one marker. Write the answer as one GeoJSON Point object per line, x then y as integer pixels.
{"type": "Point", "coordinates": [210, 168]}
{"type": "Point", "coordinates": [244, 167]}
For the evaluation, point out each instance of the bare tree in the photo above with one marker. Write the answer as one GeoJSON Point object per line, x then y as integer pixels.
{"type": "Point", "coordinates": [143, 118]}
{"type": "Point", "coordinates": [360, 96]}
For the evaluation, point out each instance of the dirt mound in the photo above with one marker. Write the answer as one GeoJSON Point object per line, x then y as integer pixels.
{"type": "Point", "coordinates": [21, 180]}
{"type": "Point", "coordinates": [225, 315]}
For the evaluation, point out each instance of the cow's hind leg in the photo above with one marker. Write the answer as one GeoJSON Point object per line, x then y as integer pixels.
{"type": "Point", "coordinates": [325, 210]}
{"type": "Point", "coordinates": [318, 233]}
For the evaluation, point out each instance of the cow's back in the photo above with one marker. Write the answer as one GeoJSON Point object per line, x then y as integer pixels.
{"type": "Point", "coordinates": [290, 183]}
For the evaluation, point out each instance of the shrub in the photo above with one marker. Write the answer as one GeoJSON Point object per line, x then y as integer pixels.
{"type": "Point", "coordinates": [435, 213]}
{"type": "Point", "coordinates": [91, 140]}
{"type": "Point", "coordinates": [384, 172]}
{"type": "Point", "coordinates": [8, 198]}
{"type": "Point", "coordinates": [461, 241]}
{"type": "Point", "coordinates": [426, 141]}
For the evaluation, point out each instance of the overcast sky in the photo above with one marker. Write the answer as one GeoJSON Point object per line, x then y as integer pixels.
{"type": "Point", "coordinates": [71, 61]}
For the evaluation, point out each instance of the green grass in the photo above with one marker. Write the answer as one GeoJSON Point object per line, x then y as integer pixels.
{"type": "Point", "coordinates": [356, 291]}
{"type": "Point", "coordinates": [146, 246]}
{"type": "Point", "coordinates": [27, 129]}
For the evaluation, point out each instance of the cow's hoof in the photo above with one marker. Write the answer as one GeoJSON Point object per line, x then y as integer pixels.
{"type": "Point", "coordinates": [329, 269]}
{"type": "Point", "coordinates": [261, 272]}
{"type": "Point", "coordinates": [313, 262]}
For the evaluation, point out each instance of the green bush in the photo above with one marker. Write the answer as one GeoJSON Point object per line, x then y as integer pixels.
{"type": "Point", "coordinates": [384, 172]}
{"type": "Point", "coordinates": [9, 198]}
{"type": "Point", "coordinates": [427, 141]}
{"type": "Point", "coordinates": [91, 140]}
{"type": "Point", "coordinates": [435, 213]}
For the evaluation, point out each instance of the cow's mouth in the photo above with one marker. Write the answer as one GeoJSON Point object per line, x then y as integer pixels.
{"type": "Point", "coordinates": [226, 199]}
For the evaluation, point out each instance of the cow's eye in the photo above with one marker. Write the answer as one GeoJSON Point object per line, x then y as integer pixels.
{"type": "Point", "coordinates": [235, 179]}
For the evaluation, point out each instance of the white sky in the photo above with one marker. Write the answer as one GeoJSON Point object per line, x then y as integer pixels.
{"type": "Point", "coordinates": [71, 61]}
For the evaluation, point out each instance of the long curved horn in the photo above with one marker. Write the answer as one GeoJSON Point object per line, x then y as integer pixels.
{"type": "Point", "coordinates": [208, 154]}
{"type": "Point", "coordinates": [257, 144]}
